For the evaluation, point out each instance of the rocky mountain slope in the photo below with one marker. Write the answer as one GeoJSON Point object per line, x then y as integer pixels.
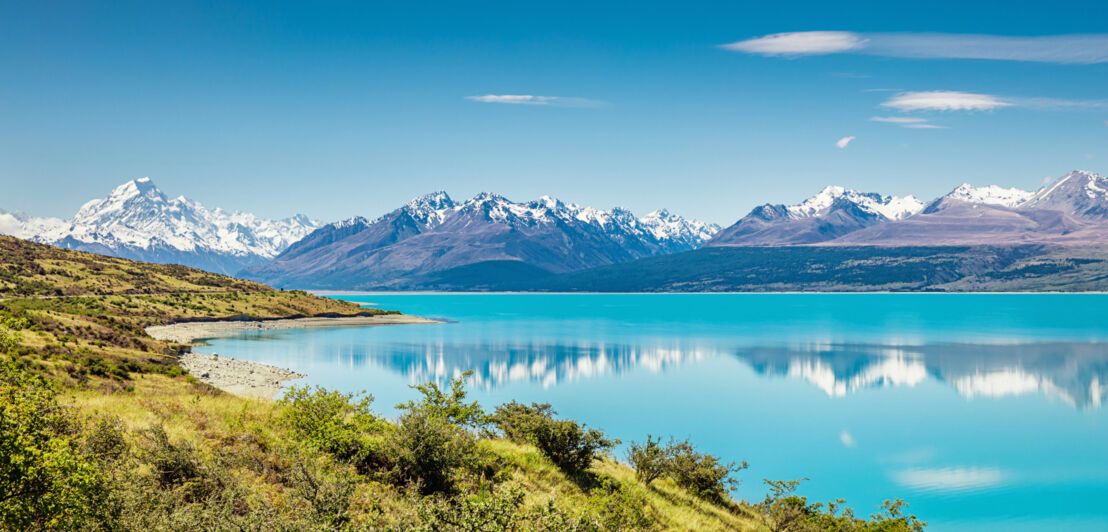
{"type": "Point", "coordinates": [485, 237]}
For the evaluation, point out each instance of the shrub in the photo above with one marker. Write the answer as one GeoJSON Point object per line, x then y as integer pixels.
{"type": "Point", "coordinates": [46, 482]}
{"type": "Point", "coordinates": [337, 423]}
{"type": "Point", "coordinates": [430, 445]}
{"type": "Point", "coordinates": [493, 510]}
{"type": "Point", "coordinates": [785, 511]}
{"type": "Point", "coordinates": [570, 446]}
{"type": "Point", "coordinates": [649, 459]}
{"type": "Point", "coordinates": [451, 407]}
{"type": "Point", "coordinates": [428, 451]}
{"type": "Point", "coordinates": [701, 474]}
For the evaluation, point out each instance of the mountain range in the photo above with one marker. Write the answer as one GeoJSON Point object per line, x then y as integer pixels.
{"type": "Point", "coordinates": [1071, 210]}
{"type": "Point", "coordinates": [137, 221]}
{"type": "Point", "coordinates": [490, 242]}
{"type": "Point", "coordinates": [435, 241]}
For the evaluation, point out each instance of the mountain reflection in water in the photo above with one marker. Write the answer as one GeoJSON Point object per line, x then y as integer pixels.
{"type": "Point", "coordinates": [1073, 373]}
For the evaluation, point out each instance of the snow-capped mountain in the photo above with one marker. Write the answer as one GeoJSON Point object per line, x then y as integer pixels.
{"type": "Point", "coordinates": [832, 213]}
{"type": "Point", "coordinates": [22, 225]}
{"type": "Point", "coordinates": [432, 240]}
{"type": "Point", "coordinates": [1079, 193]}
{"type": "Point", "coordinates": [987, 195]}
{"type": "Point", "coordinates": [137, 221]}
{"type": "Point", "coordinates": [888, 207]}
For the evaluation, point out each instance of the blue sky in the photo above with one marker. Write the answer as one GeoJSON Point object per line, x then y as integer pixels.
{"type": "Point", "coordinates": [335, 109]}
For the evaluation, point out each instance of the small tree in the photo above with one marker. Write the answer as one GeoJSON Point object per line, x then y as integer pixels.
{"type": "Point", "coordinates": [649, 459]}
{"type": "Point", "coordinates": [570, 446]}
{"type": "Point", "coordinates": [704, 475]}
{"type": "Point", "coordinates": [338, 423]}
{"type": "Point", "coordinates": [453, 408]}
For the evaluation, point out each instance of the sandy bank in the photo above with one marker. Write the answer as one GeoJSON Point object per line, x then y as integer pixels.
{"type": "Point", "coordinates": [253, 379]}
{"type": "Point", "coordinates": [192, 331]}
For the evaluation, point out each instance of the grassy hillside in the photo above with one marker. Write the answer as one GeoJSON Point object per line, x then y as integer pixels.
{"type": "Point", "coordinates": [100, 429]}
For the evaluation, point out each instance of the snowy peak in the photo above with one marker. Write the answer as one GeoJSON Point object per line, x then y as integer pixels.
{"type": "Point", "coordinates": [1079, 193]}
{"type": "Point", "coordinates": [990, 195]}
{"type": "Point", "coordinates": [137, 220]}
{"type": "Point", "coordinates": [836, 197]}
{"type": "Point", "coordinates": [993, 195]}
{"type": "Point", "coordinates": [666, 226]}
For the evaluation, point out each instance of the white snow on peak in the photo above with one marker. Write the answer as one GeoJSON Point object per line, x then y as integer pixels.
{"type": "Point", "coordinates": [990, 195]}
{"type": "Point", "coordinates": [890, 207]}
{"type": "Point", "coordinates": [21, 225]}
{"type": "Point", "coordinates": [138, 214]}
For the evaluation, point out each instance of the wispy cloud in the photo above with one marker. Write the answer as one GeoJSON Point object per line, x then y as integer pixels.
{"type": "Point", "coordinates": [910, 122]}
{"type": "Point", "coordinates": [945, 101]}
{"type": "Point", "coordinates": [1073, 49]}
{"type": "Point", "coordinates": [843, 142]}
{"type": "Point", "coordinates": [951, 479]}
{"type": "Point", "coordinates": [801, 43]}
{"type": "Point", "coordinates": [531, 99]}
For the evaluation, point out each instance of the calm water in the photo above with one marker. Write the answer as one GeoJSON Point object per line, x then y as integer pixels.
{"type": "Point", "coordinates": [984, 412]}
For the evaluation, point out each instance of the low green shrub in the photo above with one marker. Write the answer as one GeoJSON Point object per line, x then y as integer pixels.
{"type": "Point", "coordinates": [785, 511]}
{"type": "Point", "coordinates": [338, 423]}
{"type": "Point", "coordinates": [572, 447]}
{"type": "Point", "coordinates": [702, 474]}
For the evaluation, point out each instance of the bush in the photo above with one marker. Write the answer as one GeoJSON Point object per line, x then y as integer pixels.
{"type": "Point", "coordinates": [570, 446]}
{"type": "Point", "coordinates": [428, 451]}
{"type": "Point", "coordinates": [337, 423]}
{"type": "Point", "coordinates": [46, 481]}
{"type": "Point", "coordinates": [430, 445]}
{"type": "Point", "coordinates": [701, 474]}
{"type": "Point", "coordinates": [785, 511]}
{"type": "Point", "coordinates": [649, 459]}
{"type": "Point", "coordinates": [453, 407]}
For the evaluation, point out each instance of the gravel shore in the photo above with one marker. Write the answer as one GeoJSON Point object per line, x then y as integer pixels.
{"type": "Point", "coordinates": [188, 332]}
{"type": "Point", "coordinates": [253, 379]}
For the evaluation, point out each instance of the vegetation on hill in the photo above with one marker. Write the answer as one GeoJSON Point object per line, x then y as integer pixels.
{"type": "Point", "coordinates": [842, 268]}
{"type": "Point", "coordinates": [101, 430]}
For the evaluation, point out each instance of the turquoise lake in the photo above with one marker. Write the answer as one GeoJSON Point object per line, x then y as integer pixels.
{"type": "Point", "coordinates": [983, 411]}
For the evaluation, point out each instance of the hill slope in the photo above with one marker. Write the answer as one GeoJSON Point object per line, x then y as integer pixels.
{"type": "Point", "coordinates": [139, 444]}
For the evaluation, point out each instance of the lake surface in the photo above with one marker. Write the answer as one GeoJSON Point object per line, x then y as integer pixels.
{"type": "Point", "coordinates": [984, 412]}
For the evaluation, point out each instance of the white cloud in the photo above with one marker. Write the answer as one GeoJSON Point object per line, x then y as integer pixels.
{"type": "Point", "coordinates": [800, 43]}
{"type": "Point", "coordinates": [843, 142]}
{"type": "Point", "coordinates": [898, 119]}
{"type": "Point", "coordinates": [910, 122]}
{"type": "Point", "coordinates": [531, 99]}
{"type": "Point", "coordinates": [944, 101]}
{"type": "Point", "coordinates": [951, 479]}
{"type": "Point", "coordinates": [1076, 48]}
{"type": "Point", "coordinates": [847, 440]}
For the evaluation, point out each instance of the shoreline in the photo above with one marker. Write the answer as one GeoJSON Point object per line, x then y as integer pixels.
{"type": "Point", "coordinates": [190, 331]}
{"type": "Point", "coordinates": [254, 379]}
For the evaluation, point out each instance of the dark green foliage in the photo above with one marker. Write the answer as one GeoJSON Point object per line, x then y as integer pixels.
{"type": "Point", "coordinates": [429, 452]}
{"type": "Point", "coordinates": [701, 474]}
{"type": "Point", "coordinates": [453, 407]}
{"type": "Point", "coordinates": [571, 446]}
{"type": "Point", "coordinates": [46, 480]}
{"type": "Point", "coordinates": [338, 423]}
{"type": "Point", "coordinates": [500, 509]}
{"type": "Point", "coordinates": [430, 446]}
{"type": "Point", "coordinates": [650, 459]}
{"type": "Point", "coordinates": [824, 268]}
{"type": "Point", "coordinates": [785, 511]}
